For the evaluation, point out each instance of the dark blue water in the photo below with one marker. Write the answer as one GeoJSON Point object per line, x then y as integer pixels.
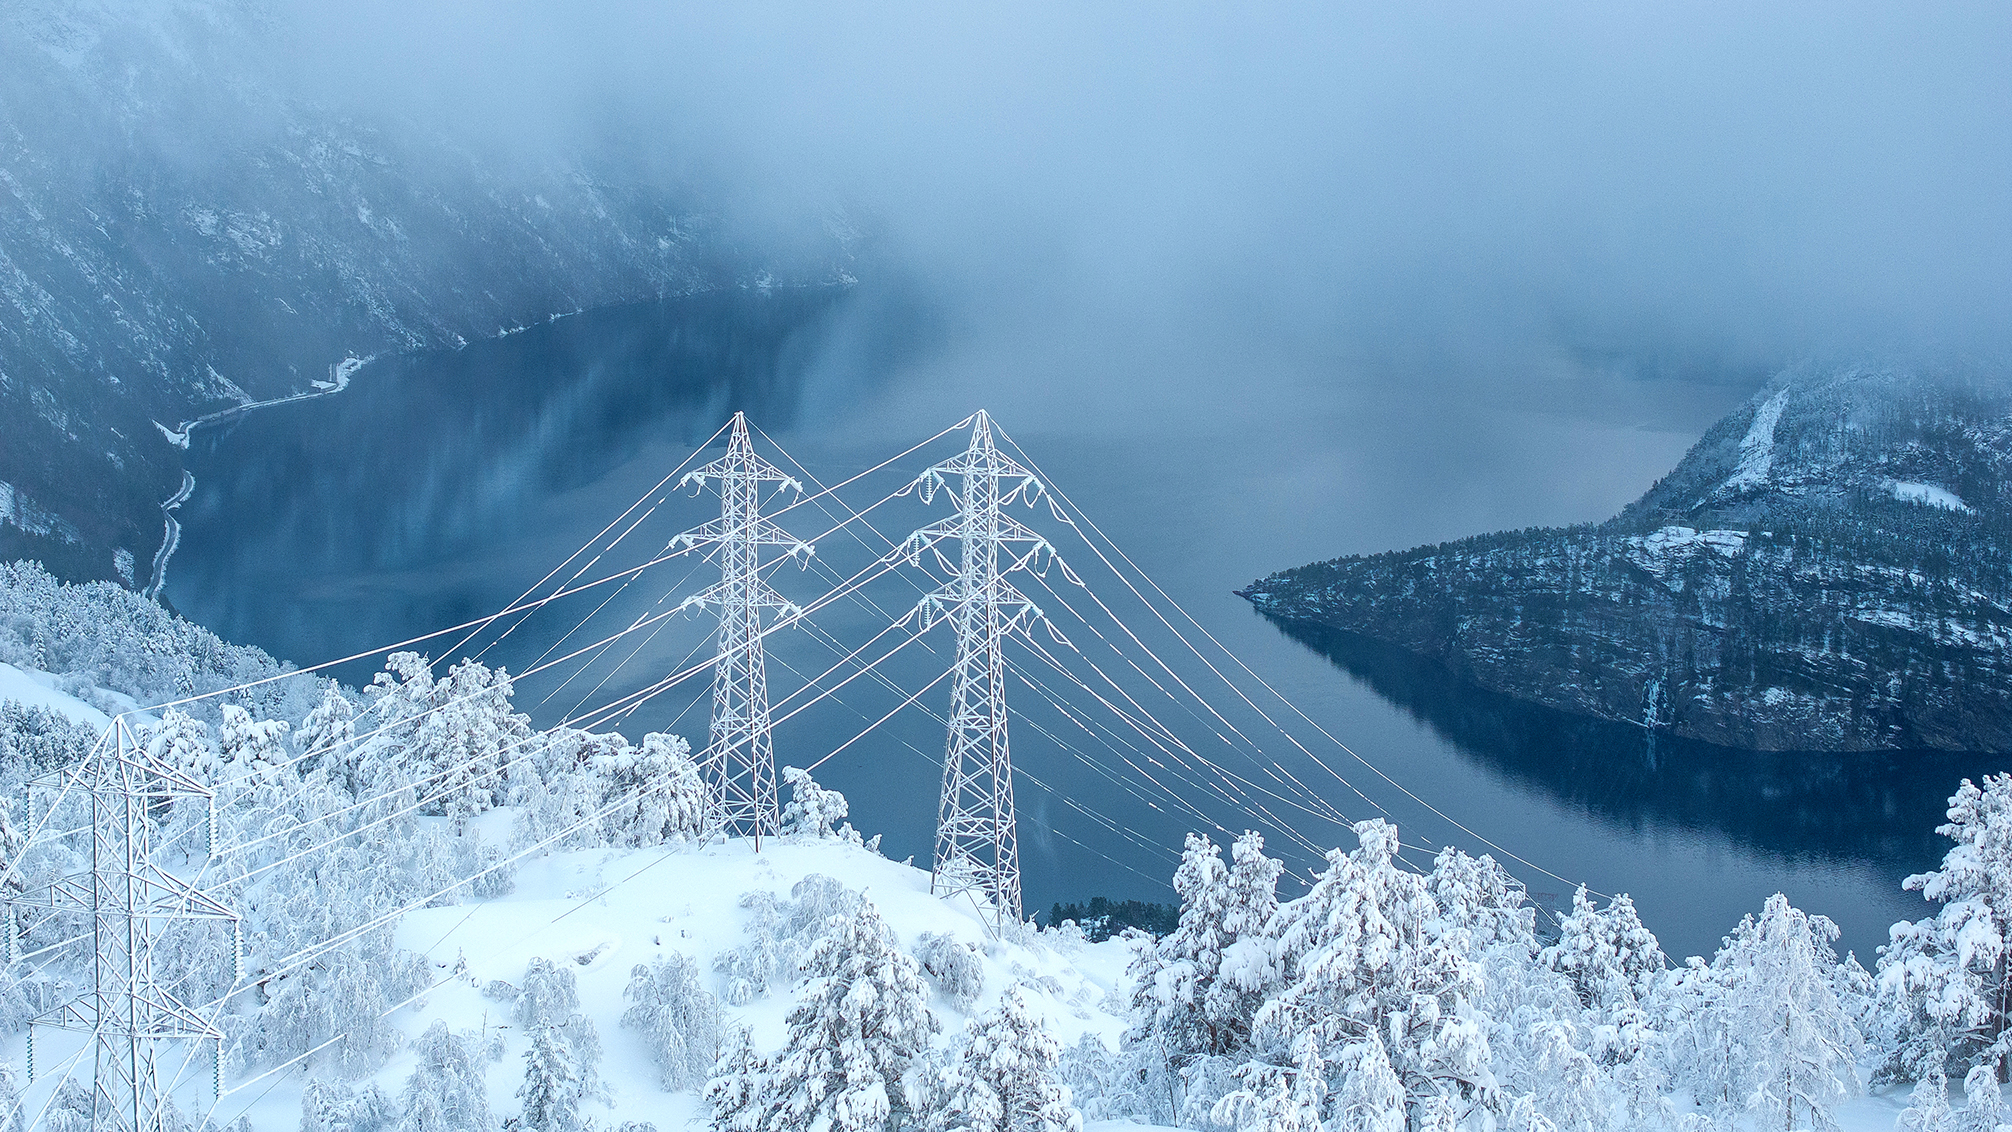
{"type": "Point", "coordinates": [438, 488]}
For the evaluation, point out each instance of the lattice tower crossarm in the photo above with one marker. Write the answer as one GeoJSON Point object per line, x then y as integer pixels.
{"type": "Point", "coordinates": [738, 765]}
{"type": "Point", "coordinates": [977, 840]}
{"type": "Point", "coordinates": [128, 898]}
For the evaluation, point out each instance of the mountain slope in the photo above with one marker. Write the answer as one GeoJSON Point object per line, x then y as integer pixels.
{"type": "Point", "coordinates": [180, 233]}
{"type": "Point", "coordinates": [1829, 568]}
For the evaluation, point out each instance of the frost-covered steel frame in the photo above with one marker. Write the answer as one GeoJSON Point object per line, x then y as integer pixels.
{"type": "Point", "coordinates": [977, 843]}
{"type": "Point", "coordinates": [128, 899]}
{"type": "Point", "coordinates": [738, 765]}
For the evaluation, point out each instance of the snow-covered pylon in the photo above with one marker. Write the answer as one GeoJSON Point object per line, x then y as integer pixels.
{"type": "Point", "coordinates": [129, 900]}
{"type": "Point", "coordinates": [739, 760]}
{"type": "Point", "coordinates": [977, 846]}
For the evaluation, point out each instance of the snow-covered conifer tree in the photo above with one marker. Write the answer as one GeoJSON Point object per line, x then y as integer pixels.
{"type": "Point", "coordinates": [764, 954]}
{"type": "Point", "coordinates": [1170, 996]}
{"type": "Point", "coordinates": [1247, 972]}
{"type": "Point", "coordinates": [11, 1118]}
{"type": "Point", "coordinates": [1571, 1092]}
{"type": "Point", "coordinates": [327, 1106]}
{"type": "Point", "coordinates": [1359, 957]}
{"type": "Point", "coordinates": [1005, 1080]}
{"type": "Point", "coordinates": [463, 745]}
{"type": "Point", "coordinates": [738, 1091]}
{"type": "Point", "coordinates": [327, 735]}
{"type": "Point", "coordinates": [813, 812]}
{"type": "Point", "coordinates": [954, 966]}
{"type": "Point", "coordinates": [253, 749]}
{"type": "Point", "coordinates": [861, 1017]}
{"type": "Point", "coordinates": [1983, 1102]}
{"type": "Point", "coordinates": [1371, 1098]}
{"type": "Point", "coordinates": [553, 1087]}
{"type": "Point", "coordinates": [183, 742]}
{"type": "Point", "coordinates": [1279, 1100]}
{"type": "Point", "coordinates": [445, 1092]}
{"type": "Point", "coordinates": [678, 1018]}
{"type": "Point", "coordinates": [657, 794]}
{"type": "Point", "coordinates": [1946, 981]}
{"type": "Point", "coordinates": [1607, 953]}
{"type": "Point", "coordinates": [1477, 896]}
{"type": "Point", "coordinates": [1796, 1049]}
{"type": "Point", "coordinates": [549, 994]}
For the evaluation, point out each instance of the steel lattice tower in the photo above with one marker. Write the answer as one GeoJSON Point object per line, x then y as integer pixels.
{"type": "Point", "coordinates": [128, 899]}
{"type": "Point", "coordinates": [977, 845]}
{"type": "Point", "coordinates": [739, 760]}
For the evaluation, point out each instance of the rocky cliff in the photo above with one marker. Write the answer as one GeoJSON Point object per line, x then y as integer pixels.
{"type": "Point", "coordinates": [1829, 568]}
{"type": "Point", "coordinates": [180, 233]}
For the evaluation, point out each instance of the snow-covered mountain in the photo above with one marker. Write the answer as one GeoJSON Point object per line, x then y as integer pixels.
{"type": "Point", "coordinates": [1829, 568]}
{"type": "Point", "coordinates": [180, 233]}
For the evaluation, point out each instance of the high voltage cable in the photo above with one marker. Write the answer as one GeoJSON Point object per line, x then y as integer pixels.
{"type": "Point", "coordinates": [1063, 496]}
{"type": "Point", "coordinates": [463, 642]}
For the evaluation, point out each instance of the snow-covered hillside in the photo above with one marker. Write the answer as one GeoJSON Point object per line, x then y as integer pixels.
{"type": "Point", "coordinates": [598, 914]}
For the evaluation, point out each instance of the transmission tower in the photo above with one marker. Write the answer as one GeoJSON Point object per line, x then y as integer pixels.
{"type": "Point", "coordinates": [130, 901]}
{"type": "Point", "coordinates": [739, 761]}
{"type": "Point", "coordinates": [977, 846]}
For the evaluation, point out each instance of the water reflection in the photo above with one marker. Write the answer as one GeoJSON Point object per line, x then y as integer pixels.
{"type": "Point", "coordinates": [1879, 807]}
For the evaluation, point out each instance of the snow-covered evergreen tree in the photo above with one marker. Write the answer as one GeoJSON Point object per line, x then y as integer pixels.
{"type": "Point", "coordinates": [445, 1092]}
{"type": "Point", "coordinates": [254, 751]}
{"type": "Point", "coordinates": [678, 1018]}
{"type": "Point", "coordinates": [1946, 981]}
{"type": "Point", "coordinates": [549, 993]}
{"type": "Point", "coordinates": [1279, 1100]}
{"type": "Point", "coordinates": [1359, 956]}
{"type": "Point", "coordinates": [553, 1087]}
{"type": "Point", "coordinates": [1248, 971]}
{"type": "Point", "coordinates": [463, 745]}
{"type": "Point", "coordinates": [657, 795]}
{"type": "Point", "coordinates": [328, 735]}
{"type": "Point", "coordinates": [1759, 1033]}
{"type": "Point", "coordinates": [1194, 993]}
{"type": "Point", "coordinates": [11, 1117]}
{"type": "Point", "coordinates": [859, 1021]}
{"type": "Point", "coordinates": [765, 953]}
{"type": "Point", "coordinates": [1796, 1047]}
{"type": "Point", "coordinates": [1607, 953]}
{"type": "Point", "coordinates": [814, 813]}
{"type": "Point", "coordinates": [1005, 1079]}
{"type": "Point", "coordinates": [327, 1106]}
{"type": "Point", "coordinates": [1370, 1098]}
{"type": "Point", "coordinates": [183, 742]}
{"type": "Point", "coordinates": [953, 965]}
{"type": "Point", "coordinates": [737, 1093]}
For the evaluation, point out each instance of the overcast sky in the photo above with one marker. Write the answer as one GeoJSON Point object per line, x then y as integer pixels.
{"type": "Point", "coordinates": [1463, 193]}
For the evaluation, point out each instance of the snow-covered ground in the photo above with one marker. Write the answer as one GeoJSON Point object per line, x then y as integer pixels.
{"type": "Point", "coordinates": [1928, 495]}
{"type": "Point", "coordinates": [1757, 447]}
{"type": "Point", "coordinates": [32, 688]}
{"type": "Point", "coordinates": [602, 912]}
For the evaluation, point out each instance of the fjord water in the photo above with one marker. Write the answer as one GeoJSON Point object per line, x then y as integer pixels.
{"type": "Point", "coordinates": [440, 487]}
